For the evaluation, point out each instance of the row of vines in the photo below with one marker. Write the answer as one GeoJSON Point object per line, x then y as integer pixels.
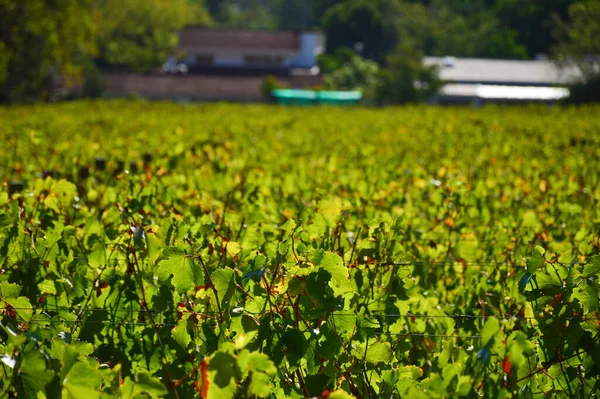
{"type": "Point", "coordinates": [217, 251]}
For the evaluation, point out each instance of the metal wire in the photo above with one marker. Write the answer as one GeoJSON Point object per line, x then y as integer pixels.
{"type": "Point", "coordinates": [342, 314]}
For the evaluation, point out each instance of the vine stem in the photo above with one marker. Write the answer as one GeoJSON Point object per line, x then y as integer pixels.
{"type": "Point", "coordinates": [212, 285]}
{"type": "Point", "coordinates": [172, 383]}
{"type": "Point", "coordinates": [302, 383]}
{"type": "Point", "coordinates": [544, 368]}
{"type": "Point", "coordinates": [89, 297]}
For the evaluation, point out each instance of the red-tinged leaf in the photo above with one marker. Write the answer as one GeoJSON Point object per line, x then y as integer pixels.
{"type": "Point", "coordinates": [205, 381]}
{"type": "Point", "coordinates": [557, 300]}
{"type": "Point", "coordinates": [10, 311]}
{"type": "Point", "coordinates": [506, 365]}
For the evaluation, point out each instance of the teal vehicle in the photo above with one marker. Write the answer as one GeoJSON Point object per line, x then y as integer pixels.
{"type": "Point", "coordinates": [310, 97]}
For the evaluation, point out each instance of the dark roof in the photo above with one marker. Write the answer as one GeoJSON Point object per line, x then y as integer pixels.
{"type": "Point", "coordinates": [504, 72]}
{"type": "Point", "coordinates": [238, 39]}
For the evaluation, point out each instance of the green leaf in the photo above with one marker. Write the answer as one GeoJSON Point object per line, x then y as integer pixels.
{"type": "Point", "coordinates": [467, 250]}
{"type": "Point", "coordinates": [224, 282]}
{"type": "Point", "coordinates": [180, 332]}
{"type": "Point", "coordinates": [83, 382]}
{"type": "Point", "coordinates": [536, 260]}
{"type": "Point", "coordinates": [261, 370]}
{"type": "Point", "coordinates": [97, 257]}
{"type": "Point", "coordinates": [22, 307]}
{"type": "Point", "coordinates": [379, 352]}
{"type": "Point", "coordinates": [333, 264]}
{"type": "Point", "coordinates": [410, 373]}
{"type": "Point", "coordinates": [593, 268]}
{"type": "Point", "coordinates": [221, 376]}
{"type": "Point", "coordinates": [144, 383]}
{"type": "Point", "coordinates": [490, 328]}
{"type": "Point", "coordinates": [548, 280]}
{"type": "Point", "coordinates": [242, 340]}
{"type": "Point", "coordinates": [587, 295]}
{"type": "Point", "coordinates": [34, 373]}
{"type": "Point", "coordinates": [186, 274]}
{"type": "Point", "coordinates": [9, 290]}
{"type": "Point", "coordinates": [5, 220]}
{"type": "Point", "coordinates": [47, 287]}
{"type": "Point", "coordinates": [294, 343]}
{"type": "Point", "coordinates": [288, 226]}
{"type": "Point", "coordinates": [340, 394]}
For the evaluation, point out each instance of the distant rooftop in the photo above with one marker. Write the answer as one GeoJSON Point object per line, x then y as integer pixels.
{"type": "Point", "coordinates": [502, 72]}
{"type": "Point", "coordinates": [191, 37]}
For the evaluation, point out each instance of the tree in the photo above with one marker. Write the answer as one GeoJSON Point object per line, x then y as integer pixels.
{"type": "Point", "coordinates": [532, 21]}
{"type": "Point", "coordinates": [43, 44]}
{"type": "Point", "coordinates": [355, 73]}
{"type": "Point", "coordinates": [452, 28]}
{"type": "Point", "coordinates": [296, 15]}
{"type": "Point", "coordinates": [356, 24]}
{"type": "Point", "coordinates": [406, 79]}
{"type": "Point", "coordinates": [245, 14]}
{"type": "Point", "coordinates": [137, 35]}
{"type": "Point", "coordinates": [579, 39]}
{"type": "Point", "coordinates": [579, 47]}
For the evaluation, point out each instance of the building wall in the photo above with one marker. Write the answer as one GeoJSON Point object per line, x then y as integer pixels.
{"type": "Point", "coordinates": [198, 87]}
{"type": "Point", "coordinates": [235, 57]}
{"type": "Point", "coordinates": [311, 45]}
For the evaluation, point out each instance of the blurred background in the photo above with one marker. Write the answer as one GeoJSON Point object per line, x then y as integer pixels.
{"type": "Point", "coordinates": [387, 51]}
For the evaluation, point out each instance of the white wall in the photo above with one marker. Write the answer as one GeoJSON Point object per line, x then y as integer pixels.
{"type": "Point", "coordinates": [311, 45]}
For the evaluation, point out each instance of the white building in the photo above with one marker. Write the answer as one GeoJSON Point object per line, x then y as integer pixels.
{"type": "Point", "coordinates": [489, 80]}
{"type": "Point", "coordinates": [211, 49]}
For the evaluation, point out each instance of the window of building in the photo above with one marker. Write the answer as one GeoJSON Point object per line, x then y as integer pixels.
{"type": "Point", "coordinates": [263, 59]}
{"type": "Point", "coordinates": [204, 59]}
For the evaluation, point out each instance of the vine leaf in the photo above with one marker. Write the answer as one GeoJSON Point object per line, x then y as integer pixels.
{"type": "Point", "coordinates": [144, 383]}
{"type": "Point", "coordinates": [587, 295]}
{"type": "Point", "coordinates": [536, 260]}
{"type": "Point", "coordinates": [593, 269]}
{"type": "Point", "coordinates": [333, 264]}
{"type": "Point", "coordinates": [379, 352]}
{"type": "Point", "coordinates": [185, 273]}
{"type": "Point", "coordinates": [261, 370]}
{"type": "Point", "coordinates": [506, 365]}
{"type": "Point", "coordinates": [83, 382]}
{"type": "Point", "coordinates": [34, 373]}
{"type": "Point", "coordinates": [524, 281]}
{"type": "Point", "coordinates": [180, 332]}
{"type": "Point", "coordinates": [224, 282]}
{"type": "Point", "coordinates": [221, 376]}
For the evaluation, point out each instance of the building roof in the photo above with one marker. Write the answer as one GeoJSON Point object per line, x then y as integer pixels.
{"type": "Point", "coordinates": [238, 39]}
{"type": "Point", "coordinates": [458, 91]}
{"type": "Point", "coordinates": [502, 72]}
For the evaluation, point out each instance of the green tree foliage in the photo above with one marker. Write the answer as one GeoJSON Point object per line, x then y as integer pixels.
{"type": "Point", "coordinates": [532, 21]}
{"type": "Point", "coordinates": [474, 28]}
{"type": "Point", "coordinates": [579, 44]}
{"type": "Point", "coordinates": [137, 35]}
{"type": "Point", "coordinates": [267, 86]}
{"type": "Point", "coordinates": [356, 24]}
{"type": "Point", "coordinates": [579, 47]}
{"type": "Point", "coordinates": [356, 73]}
{"type": "Point", "coordinates": [43, 44]}
{"type": "Point", "coordinates": [407, 80]}
{"type": "Point", "coordinates": [244, 14]}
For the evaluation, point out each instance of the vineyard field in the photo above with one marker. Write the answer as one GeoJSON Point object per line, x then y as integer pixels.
{"type": "Point", "coordinates": [154, 249]}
